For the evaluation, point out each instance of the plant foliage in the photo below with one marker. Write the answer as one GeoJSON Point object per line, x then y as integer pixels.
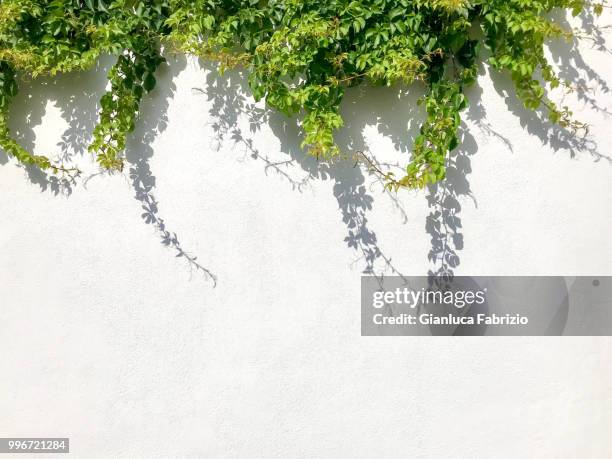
{"type": "Point", "coordinates": [301, 57]}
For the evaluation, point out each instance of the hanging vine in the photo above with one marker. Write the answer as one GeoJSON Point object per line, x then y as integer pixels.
{"type": "Point", "coordinates": [301, 57]}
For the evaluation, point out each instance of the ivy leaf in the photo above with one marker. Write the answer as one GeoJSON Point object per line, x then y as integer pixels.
{"type": "Point", "coordinates": [149, 82]}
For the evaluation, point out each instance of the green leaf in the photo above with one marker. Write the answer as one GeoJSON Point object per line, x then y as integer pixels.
{"type": "Point", "coordinates": [149, 82]}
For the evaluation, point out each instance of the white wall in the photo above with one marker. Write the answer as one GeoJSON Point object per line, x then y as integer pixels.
{"type": "Point", "coordinates": [110, 339]}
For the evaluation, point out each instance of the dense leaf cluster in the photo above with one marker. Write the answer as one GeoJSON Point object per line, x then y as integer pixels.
{"type": "Point", "coordinates": [300, 55]}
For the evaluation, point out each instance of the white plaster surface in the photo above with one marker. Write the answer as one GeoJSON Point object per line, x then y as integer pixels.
{"type": "Point", "coordinates": [107, 337]}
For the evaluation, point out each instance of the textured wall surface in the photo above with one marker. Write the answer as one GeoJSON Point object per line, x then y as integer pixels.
{"type": "Point", "coordinates": [110, 338]}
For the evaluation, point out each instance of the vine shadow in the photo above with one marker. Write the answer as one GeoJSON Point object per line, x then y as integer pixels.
{"type": "Point", "coordinates": [570, 66]}
{"type": "Point", "coordinates": [77, 97]}
{"type": "Point", "coordinates": [444, 222]}
{"type": "Point", "coordinates": [353, 186]}
{"type": "Point", "coordinates": [77, 100]}
{"type": "Point", "coordinates": [230, 100]}
{"type": "Point", "coordinates": [152, 121]}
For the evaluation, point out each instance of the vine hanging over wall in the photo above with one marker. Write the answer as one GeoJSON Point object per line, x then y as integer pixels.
{"type": "Point", "coordinates": [301, 56]}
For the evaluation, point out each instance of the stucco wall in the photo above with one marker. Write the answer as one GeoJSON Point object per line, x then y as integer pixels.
{"type": "Point", "coordinates": [107, 337]}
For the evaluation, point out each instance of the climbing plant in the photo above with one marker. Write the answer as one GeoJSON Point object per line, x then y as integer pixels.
{"type": "Point", "coordinates": [301, 56]}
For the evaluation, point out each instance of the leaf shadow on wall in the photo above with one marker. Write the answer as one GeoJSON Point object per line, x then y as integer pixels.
{"type": "Point", "coordinates": [397, 117]}
{"type": "Point", "coordinates": [395, 114]}
{"type": "Point", "coordinates": [231, 101]}
{"type": "Point", "coordinates": [587, 85]}
{"type": "Point", "coordinates": [152, 121]}
{"type": "Point", "coordinates": [444, 223]}
{"type": "Point", "coordinates": [399, 121]}
{"type": "Point", "coordinates": [77, 96]}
